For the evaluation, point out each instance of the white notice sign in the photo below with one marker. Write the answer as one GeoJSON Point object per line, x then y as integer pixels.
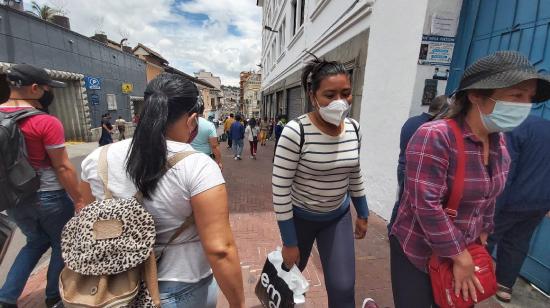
{"type": "Point", "coordinates": [444, 24]}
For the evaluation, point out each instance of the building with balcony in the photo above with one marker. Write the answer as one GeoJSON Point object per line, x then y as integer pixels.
{"type": "Point", "coordinates": [214, 96]}
{"type": "Point", "coordinates": [252, 95]}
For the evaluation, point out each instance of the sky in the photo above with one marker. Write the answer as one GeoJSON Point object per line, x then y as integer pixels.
{"type": "Point", "coordinates": [221, 36]}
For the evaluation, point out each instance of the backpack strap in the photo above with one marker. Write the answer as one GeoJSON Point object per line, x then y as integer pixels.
{"type": "Point", "coordinates": [458, 184]}
{"type": "Point", "coordinates": [302, 134]}
{"type": "Point", "coordinates": [352, 121]}
{"type": "Point", "coordinates": [103, 171]}
{"type": "Point", "coordinates": [172, 161]}
{"type": "Point", "coordinates": [21, 114]}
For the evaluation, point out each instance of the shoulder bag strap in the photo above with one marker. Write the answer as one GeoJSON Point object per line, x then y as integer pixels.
{"type": "Point", "coordinates": [458, 184]}
{"type": "Point", "coordinates": [103, 171]}
{"type": "Point", "coordinates": [172, 161]}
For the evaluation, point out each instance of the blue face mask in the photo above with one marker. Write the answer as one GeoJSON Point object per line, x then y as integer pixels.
{"type": "Point", "coordinates": [505, 116]}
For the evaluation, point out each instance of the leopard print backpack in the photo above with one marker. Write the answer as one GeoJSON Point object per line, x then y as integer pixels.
{"type": "Point", "coordinates": [108, 251]}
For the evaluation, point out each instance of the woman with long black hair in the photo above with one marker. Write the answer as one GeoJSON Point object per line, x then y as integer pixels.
{"type": "Point", "coordinates": [193, 189]}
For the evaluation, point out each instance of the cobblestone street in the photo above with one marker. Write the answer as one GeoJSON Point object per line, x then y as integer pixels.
{"type": "Point", "coordinates": [256, 232]}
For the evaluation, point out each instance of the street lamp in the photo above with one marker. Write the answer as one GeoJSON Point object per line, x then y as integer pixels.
{"type": "Point", "coordinates": [268, 28]}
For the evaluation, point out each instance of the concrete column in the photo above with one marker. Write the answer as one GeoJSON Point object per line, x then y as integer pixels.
{"type": "Point", "coordinates": [390, 74]}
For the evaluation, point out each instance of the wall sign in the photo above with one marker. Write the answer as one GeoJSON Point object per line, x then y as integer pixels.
{"type": "Point", "coordinates": [127, 88]}
{"type": "Point", "coordinates": [430, 91]}
{"type": "Point", "coordinates": [93, 99]}
{"type": "Point", "coordinates": [436, 50]}
{"type": "Point", "coordinates": [92, 83]}
{"type": "Point", "coordinates": [444, 24]}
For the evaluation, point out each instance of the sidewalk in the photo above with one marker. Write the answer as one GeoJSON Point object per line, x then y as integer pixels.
{"type": "Point", "coordinates": [255, 229]}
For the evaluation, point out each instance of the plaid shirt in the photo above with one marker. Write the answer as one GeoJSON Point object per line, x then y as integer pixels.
{"type": "Point", "coordinates": [421, 226]}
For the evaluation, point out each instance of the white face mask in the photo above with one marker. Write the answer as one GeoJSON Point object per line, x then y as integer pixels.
{"type": "Point", "coordinates": [335, 112]}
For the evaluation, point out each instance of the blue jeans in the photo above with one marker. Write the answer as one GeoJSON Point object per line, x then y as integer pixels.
{"type": "Point", "coordinates": [175, 294]}
{"type": "Point", "coordinates": [238, 147]}
{"type": "Point", "coordinates": [41, 221]}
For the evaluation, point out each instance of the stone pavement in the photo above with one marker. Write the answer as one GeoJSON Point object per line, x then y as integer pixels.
{"type": "Point", "coordinates": [255, 229]}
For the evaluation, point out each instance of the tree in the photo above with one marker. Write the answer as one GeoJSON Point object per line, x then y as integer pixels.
{"type": "Point", "coordinates": [45, 11]}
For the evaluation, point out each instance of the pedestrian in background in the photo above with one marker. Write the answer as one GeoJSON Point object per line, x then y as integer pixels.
{"type": "Point", "coordinates": [4, 88]}
{"type": "Point", "coordinates": [121, 126]}
{"type": "Point", "coordinates": [106, 130]}
{"type": "Point", "coordinates": [252, 131]}
{"type": "Point", "coordinates": [193, 189]}
{"type": "Point", "coordinates": [42, 217]}
{"type": "Point", "coordinates": [271, 128]}
{"type": "Point", "coordinates": [264, 131]}
{"type": "Point", "coordinates": [281, 122]}
{"type": "Point", "coordinates": [494, 95]}
{"type": "Point", "coordinates": [236, 131]}
{"type": "Point", "coordinates": [524, 202]}
{"type": "Point", "coordinates": [316, 175]}
{"type": "Point", "coordinates": [407, 131]}
{"type": "Point", "coordinates": [207, 140]}
{"type": "Point", "coordinates": [227, 127]}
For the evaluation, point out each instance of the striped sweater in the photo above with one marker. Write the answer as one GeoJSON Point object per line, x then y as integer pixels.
{"type": "Point", "coordinates": [316, 181]}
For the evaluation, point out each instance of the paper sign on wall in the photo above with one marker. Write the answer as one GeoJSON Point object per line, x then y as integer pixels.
{"type": "Point", "coordinates": [444, 24]}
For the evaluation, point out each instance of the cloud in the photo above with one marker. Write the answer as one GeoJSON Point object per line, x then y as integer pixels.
{"type": "Point", "coordinates": [221, 36]}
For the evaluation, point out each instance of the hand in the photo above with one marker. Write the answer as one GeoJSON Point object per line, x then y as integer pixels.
{"type": "Point", "coordinates": [464, 279]}
{"type": "Point", "coordinates": [361, 226]}
{"type": "Point", "coordinates": [291, 256]}
{"type": "Point", "coordinates": [78, 206]}
{"type": "Point", "coordinates": [483, 238]}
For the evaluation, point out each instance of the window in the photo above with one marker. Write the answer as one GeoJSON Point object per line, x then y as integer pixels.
{"type": "Point", "coordinates": [273, 55]}
{"type": "Point", "coordinates": [111, 102]}
{"type": "Point", "coordinates": [282, 37]}
{"type": "Point", "coordinates": [302, 11]}
{"type": "Point", "coordinates": [294, 16]}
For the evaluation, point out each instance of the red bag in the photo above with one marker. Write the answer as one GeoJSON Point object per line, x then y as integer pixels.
{"type": "Point", "coordinates": [441, 270]}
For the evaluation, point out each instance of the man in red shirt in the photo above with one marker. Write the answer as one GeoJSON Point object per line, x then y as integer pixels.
{"type": "Point", "coordinates": [41, 219]}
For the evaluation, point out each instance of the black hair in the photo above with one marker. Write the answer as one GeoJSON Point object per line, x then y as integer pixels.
{"type": "Point", "coordinates": [318, 69]}
{"type": "Point", "coordinates": [238, 117]}
{"type": "Point", "coordinates": [231, 115]}
{"type": "Point", "coordinates": [252, 122]}
{"type": "Point", "coordinates": [167, 98]}
{"type": "Point", "coordinates": [437, 104]}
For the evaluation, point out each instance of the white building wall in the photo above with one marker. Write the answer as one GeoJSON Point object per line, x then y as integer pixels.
{"type": "Point", "coordinates": [393, 90]}
{"type": "Point", "coordinates": [322, 31]}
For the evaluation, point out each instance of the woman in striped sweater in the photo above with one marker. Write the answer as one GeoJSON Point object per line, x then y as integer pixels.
{"type": "Point", "coordinates": [316, 173]}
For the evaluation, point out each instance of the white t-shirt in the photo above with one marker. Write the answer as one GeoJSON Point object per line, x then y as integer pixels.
{"type": "Point", "coordinates": [183, 260]}
{"type": "Point", "coordinates": [252, 132]}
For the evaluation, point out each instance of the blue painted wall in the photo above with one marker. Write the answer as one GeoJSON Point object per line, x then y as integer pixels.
{"type": "Point", "coordinates": [25, 38]}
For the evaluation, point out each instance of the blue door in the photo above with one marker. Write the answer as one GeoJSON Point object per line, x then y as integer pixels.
{"type": "Point", "coordinates": [487, 26]}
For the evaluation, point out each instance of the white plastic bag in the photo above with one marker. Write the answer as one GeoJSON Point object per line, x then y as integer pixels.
{"type": "Point", "coordinates": [278, 288]}
{"type": "Point", "coordinates": [296, 282]}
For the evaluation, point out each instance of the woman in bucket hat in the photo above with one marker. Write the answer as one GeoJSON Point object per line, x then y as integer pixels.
{"type": "Point", "coordinates": [495, 95]}
{"type": "Point", "coordinates": [193, 189]}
